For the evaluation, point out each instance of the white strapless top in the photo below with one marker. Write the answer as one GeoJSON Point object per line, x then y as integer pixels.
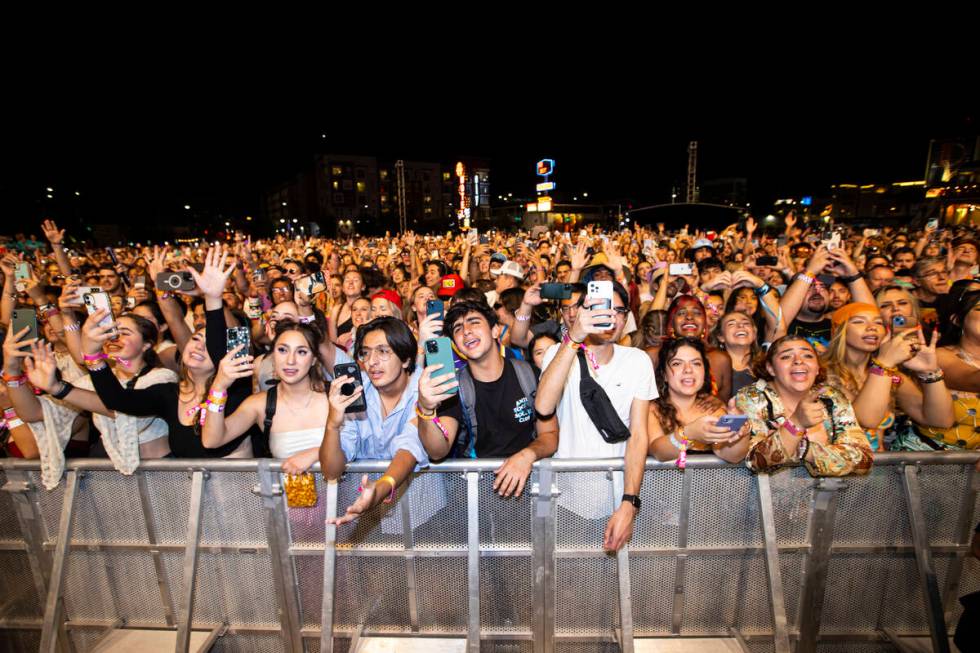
{"type": "Point", "coordinates": [288, 443]}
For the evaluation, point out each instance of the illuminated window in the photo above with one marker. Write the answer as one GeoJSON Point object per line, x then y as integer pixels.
{"type": "Point", "coordinates": [384, 199]}
{"type": "Point", "coordinates": [446, 176]}
{"type": "Point", "coordinates": [384, 174]}
{"type": "Point", "coordinates": [428, 209]}
{"type": "Point", "coordinates": [336, 185]}
{"type": "Point", "coordinates": [361, 187]}
{"type": "Point", "coordinates": [428, 199]}
{"type": "Point", "coordinates": [336, 171]}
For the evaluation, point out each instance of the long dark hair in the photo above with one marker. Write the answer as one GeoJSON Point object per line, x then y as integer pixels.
{"type": "Point", "coordinates": [758, 318]}
{"type": "Point", "coordinates": [665, 407]}
{"type": "Point", "coordinates": [313, 339]}
{"type": "Point", "coordinates": [148, 332]}
{"type": "Point", "coordinates": [954, 328]}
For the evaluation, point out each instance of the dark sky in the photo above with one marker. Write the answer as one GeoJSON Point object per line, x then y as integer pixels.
{"type": "Point", "coordinates": [144, 160]}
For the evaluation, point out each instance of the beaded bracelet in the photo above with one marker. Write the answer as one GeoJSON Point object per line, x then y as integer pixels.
{"type": "Point", "coordinates": [91, 358]}
{"type": "Point", "coordinates": [215, 407]}
{"type": "Point", "coordinates": [434, 419]}
{"type": "Point", "coordinates": [682, 458]}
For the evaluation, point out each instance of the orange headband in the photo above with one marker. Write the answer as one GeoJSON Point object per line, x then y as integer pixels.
{"type": "Point", "coordinates": [846, 312]}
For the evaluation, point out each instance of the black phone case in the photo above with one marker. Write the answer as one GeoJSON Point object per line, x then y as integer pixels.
{"type": "Point", "coordinates": [351, 370]}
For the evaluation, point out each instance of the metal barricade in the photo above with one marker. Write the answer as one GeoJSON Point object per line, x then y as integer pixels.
{"type": "Point", "coordinates": [209, 550]}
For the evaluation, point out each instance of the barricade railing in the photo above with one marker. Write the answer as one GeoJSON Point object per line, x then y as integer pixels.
{"type": "Point", "coordinates": [209, 550]}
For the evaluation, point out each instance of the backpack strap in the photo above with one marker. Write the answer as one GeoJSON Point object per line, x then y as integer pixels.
{"type": "Point", "coordinates": [526, 377]}
{"type": "Point", "coordinates": [466, 447]}
{"type": "Point", "coordinates": [271, 397]}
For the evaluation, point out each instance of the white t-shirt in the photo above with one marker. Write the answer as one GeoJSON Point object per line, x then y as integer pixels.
{"type": "Point", "coordinates": [627, 376]}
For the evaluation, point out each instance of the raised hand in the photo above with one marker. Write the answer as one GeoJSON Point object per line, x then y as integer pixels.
{"type": "Point", "coordinates": [52, 233]}
{"type": "Point", "coordinates": [211, 280]}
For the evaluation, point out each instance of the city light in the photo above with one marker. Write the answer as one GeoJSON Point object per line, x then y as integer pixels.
{"type": "Point", "coordinates": [187, 207]}
{"type": "Point", "coordinates": [50, 190]}
{"type": "Point", "coordinates": [284, 204]}
{"type": "Point", "coordinates": [77, 194]}
{"type": "Point", "coordinates": [281, 220]}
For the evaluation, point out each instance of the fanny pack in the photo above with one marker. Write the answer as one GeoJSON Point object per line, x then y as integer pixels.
{"type": "Point", "coordinates": [598, 407]}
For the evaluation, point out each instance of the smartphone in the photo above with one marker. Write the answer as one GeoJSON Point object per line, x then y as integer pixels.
{"type": "Point", "coordinates": [95, 301]}
{"type": "Point", "coordinates": [767, 261]}
{"type": "Point", "coordinates": [258, 274]}
{"type": "Point", "coordinates": [680, 269]}
{"type": "Point", "coordinates": [439, 351]}
{"type": "Point", "coordinates": [556, 290]}
{"type": "Point", "coordinates": [601, 290]}
{"type": "Point", "coordinates": [312, 284]}
{"type": "Point", "coordinates": [139, 282]}
{"type": "Point", "coordinates": [22, 272]}
{"type": "Point", "coordinates": [24, 317]}
{"type": "Point", "coordinates": [235, 336]}
{"type": "Point", "coordinates": [435, 307]}
{"type": "Point", "coordinates": [115, 263]}
{"type": "Point", "coordinates": [473, 236]}
{"type": "Point", "coordinates": [781, 241]}
{"type": "Point", "coordinates": [732, 422]}
{"type": "Point", "coordinates": [179, 281]}
{"type": "Point", "coordinates": [353, 371]}
{"type": "Point", "coordinates": [932, 224]}
{"type": "Point", "coordinates": [130, 303]}
{"type": "Point", "coordinates": [484, 239]}
{"type": "Point", "coordinates": [831, 241]}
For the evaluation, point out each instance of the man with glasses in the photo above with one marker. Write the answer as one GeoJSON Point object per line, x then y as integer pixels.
{"type": "Point", "coordinates": [626, 376]}
{"type": "Point", "coordinates": [388, 428]}
{"type": "Point", "coordinates": [932, 282]}
{"type": "Point", "coordinates": [281, 290]}
{"type": "Point", "coordinates": [292, 269]}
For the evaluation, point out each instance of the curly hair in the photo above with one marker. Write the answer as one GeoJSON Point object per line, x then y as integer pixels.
{"type": "Point", "coordinates": [761, 371]}
{"type": "Point", "coordinates": [669, 419]}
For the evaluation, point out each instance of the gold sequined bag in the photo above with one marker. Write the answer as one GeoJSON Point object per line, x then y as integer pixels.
{"type": "Point", "coordinates": [300, 490]}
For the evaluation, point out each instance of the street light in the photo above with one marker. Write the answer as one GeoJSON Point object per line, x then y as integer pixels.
{"type": "Point", "coordinates": [187, 207]}
{"type": "Point", "coordinates": [281, 220]}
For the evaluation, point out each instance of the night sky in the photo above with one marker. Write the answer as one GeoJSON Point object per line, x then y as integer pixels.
{"type": "Point", "coordinates": [133, 163]}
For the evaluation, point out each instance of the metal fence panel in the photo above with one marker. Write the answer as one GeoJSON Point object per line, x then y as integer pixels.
{"type": "Point", "coordinates": [696, 563]}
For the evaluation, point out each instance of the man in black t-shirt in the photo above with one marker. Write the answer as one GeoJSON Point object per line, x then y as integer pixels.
{"type": "Point", "coordinates": [501, 406]}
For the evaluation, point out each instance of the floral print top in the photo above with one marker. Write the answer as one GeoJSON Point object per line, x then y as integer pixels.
{"type": "Point", "coordinates": [847, 450]}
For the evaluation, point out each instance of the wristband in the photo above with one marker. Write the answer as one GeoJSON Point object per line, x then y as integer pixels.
{"type": "Point", "coordinates": [14, 423]}
{"type": "Point", "coordinates": [391, 481]}
{"type": "Point", "coordinates": [10, 413]}
{"type": "Point", "coordinates": [306, 319]}
{"type": "Point", "coordinates": [162, 294]}
{"type": "Point", "coordinates": [850, 279]}
{"type": "Point", "coordinates": [763, 290]}
{"type": "Point", "coordinates": [682, 458]}
{"type": "Point", "coordinates": [72, 328]}
{"type": "Point", "coordinates": [215, 407]}
{"type": "Point", "coordinates": [66, 388]}
{"type": "Point", "coordinates": [434, 419]}
{"type": "Point", "coordinates": [805, 277]}
{"type": "Point", "coordinates": [931, 377]}
{"type": "Point", "coordinates": [522, 318]}
{"type": "Point", "coordinates": [875, 367]}
{"type": "Point", "coordinates": [89, 358]}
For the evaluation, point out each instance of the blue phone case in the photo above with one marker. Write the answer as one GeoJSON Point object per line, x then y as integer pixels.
{"type": "Point", "coordinates": [439, 351]}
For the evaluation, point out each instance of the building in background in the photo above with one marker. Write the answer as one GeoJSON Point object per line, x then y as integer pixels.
{"type": "Point", "coordinates": [346, 194]}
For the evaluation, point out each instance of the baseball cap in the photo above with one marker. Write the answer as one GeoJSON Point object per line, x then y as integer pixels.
{"type": "Point", "coordinates": [390, 295]}
{"type": "Point", "coordinates": [701, 242]}
{"type": "Point", "coordinates": [512, 268]}
{"type": "Point", "coordinates": [449, 285]}
{"type": "Point", "coordinates": [498, 257]}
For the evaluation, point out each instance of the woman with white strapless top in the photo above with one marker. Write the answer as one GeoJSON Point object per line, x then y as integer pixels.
{"type": "Point", "coordinates": [301, 406]}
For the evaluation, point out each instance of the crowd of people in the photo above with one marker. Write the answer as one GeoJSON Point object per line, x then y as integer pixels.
{"type": "Point", "coordinates": [819, 345]}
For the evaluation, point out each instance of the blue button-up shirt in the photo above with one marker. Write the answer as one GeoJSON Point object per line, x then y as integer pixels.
{"type": "Point", "coordinates": [368, 436]}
